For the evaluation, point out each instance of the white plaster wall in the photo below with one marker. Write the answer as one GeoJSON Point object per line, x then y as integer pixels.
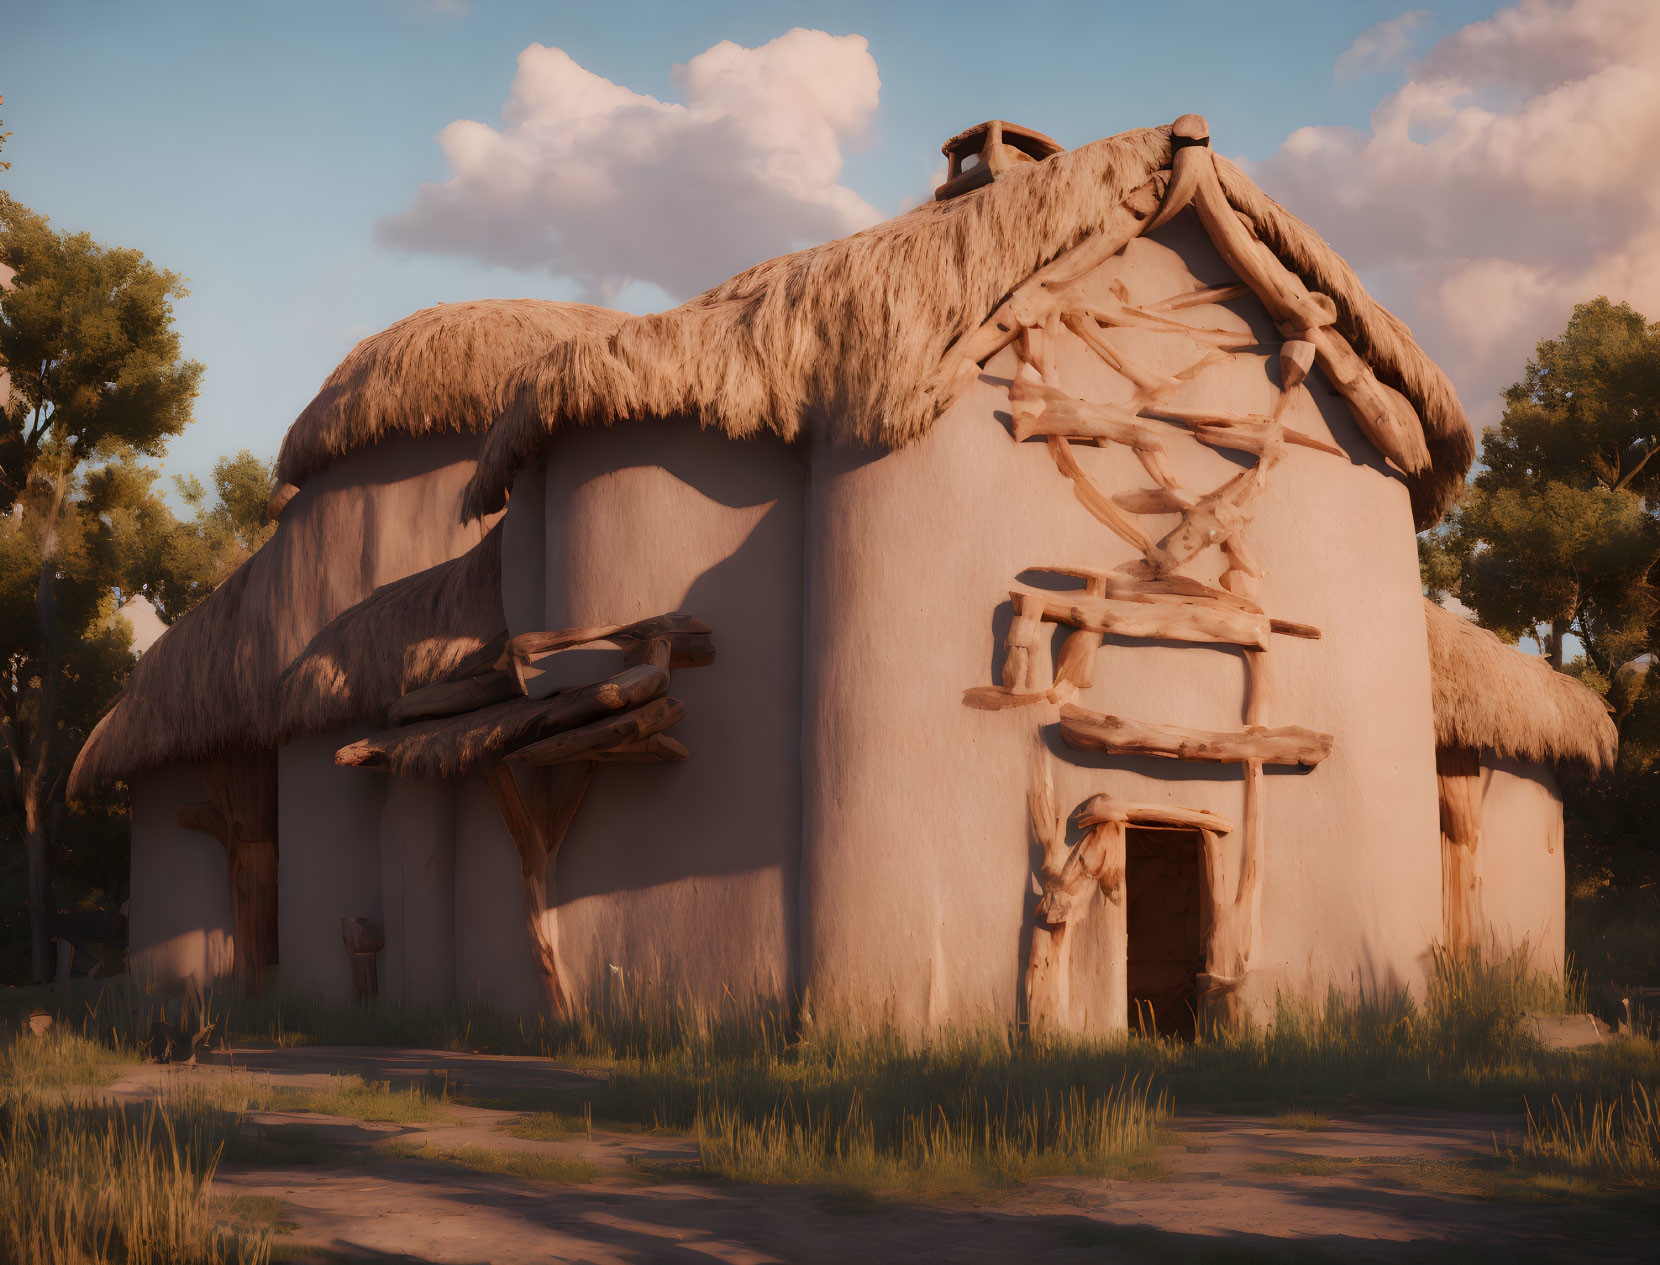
{"type": "Point", "coordinates": [180, 922]}
{"type": "Point", "coordinates": [417, 858]}
{"type": "Point", "coordinates": [328, 861]}
{"type": "Point", "coordinates": [493, 955]}
{"type": "Point", "coordinates": [685, 876]}
{"type": "Point", "coordinates": [916, 859]}
{"type": "Point", "coordinates": [1519, 860]}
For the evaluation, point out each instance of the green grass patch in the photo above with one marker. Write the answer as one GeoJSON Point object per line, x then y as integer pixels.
{"type": "Point", "coordinates": [550, 1126]}
{"type": "Point", "coordinates": [265, 1212]}
{"type": "Point", "coordinates": [1302, 1120]}
{"type": "Point", "coordinates": [482, 1159]}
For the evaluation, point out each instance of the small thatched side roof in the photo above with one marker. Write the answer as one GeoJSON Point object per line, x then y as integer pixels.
{"type": "Point", "coordinates": [436, 372]}
{"type": "Point", "coordinates": [852, 333]}
{"type": "Point", "coordinates": [208, 686]}
{"type": "Point", "coordinates": [1493, 696]}
{"type": "Point", "coordinates": [452, 746]}
{"type": "Point", "coordinates": [404, 635]}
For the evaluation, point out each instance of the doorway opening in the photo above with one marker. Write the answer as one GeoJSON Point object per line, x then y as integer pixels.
{"type": "Point", "coordinates": [1164, 912]}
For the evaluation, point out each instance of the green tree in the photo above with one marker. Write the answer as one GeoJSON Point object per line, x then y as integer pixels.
{"type": "Point", "coordinates": [97, 382]}
{"type": "Point", "coordinates": [1559, 533]}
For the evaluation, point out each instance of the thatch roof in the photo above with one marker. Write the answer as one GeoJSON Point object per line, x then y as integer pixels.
{"type": "Point", "coordinates": [436, 372]}
{"type": "Point", "coordinates": [1495, 697]}
{"type": "Point", "coordinates": [404, 635]}
{"type": "Point", "coordinates": [208, 686]}
{"type": "Point", "coordinates": [850, 334]}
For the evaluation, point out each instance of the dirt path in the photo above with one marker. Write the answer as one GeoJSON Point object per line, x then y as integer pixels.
{"type": "Point", "coordinates": [1219, 1202]}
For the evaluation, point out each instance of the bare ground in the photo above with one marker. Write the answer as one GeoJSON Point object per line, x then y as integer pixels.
{"type": "Point", "coordinates": [1237, 1188]}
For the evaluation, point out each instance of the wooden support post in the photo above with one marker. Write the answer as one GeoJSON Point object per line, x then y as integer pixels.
{"type": "Point", "coordinates": [1458, 780]}
{"type": "Point", "coordinates": [538, 835]}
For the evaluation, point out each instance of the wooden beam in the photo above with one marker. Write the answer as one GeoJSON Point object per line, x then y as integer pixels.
{"type": "Point", "coordinates": [279, 501]}
{"type": "Point", "coordinates": [1084, 730]}
{"type": "Point", "coordinates": [566, 710]}
{"type": "Point", "coordinates": [207, 819]}
{"type": "Point", "coordinates": [1384, 414]}
{"type": "Point", "coordinates": [1174, 619]}
{"type": "Point", "coordinates": [451, 698]}
{"type": "Point", "coordinates": [538, 846]}
{"type": "Point", "coordinates": [1104, 808]}
{"type": "Point", "coordinates": [1458, 782]}
{"type": "Point", "coordinates": [603, 735]}
{"type": "Point", "coordinates": [690, 642]}
{"type": "Point", "coordinates": [657, 749]}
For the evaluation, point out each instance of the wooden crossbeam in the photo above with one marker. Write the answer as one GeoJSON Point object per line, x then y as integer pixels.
{"type": "Point", "coordinates": [1084, 730]}
{"type": "Point", "coordinates": [1099, 809]}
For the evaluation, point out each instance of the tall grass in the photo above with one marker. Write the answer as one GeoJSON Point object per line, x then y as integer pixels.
{"type": "Point", "coordinates": [1614, 1140]}
{"type": "Point", "coordinates": [769, 1096]}
{"type": "Point", "coordinates": [85, 1181]}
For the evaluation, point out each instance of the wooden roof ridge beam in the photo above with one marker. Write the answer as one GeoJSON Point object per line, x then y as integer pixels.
{"type": "Point", "coordinates": [1084, 730]}
{"type": "Point", "coordinates": [567, 709]}
{"type": "Point", "coordinates": [603, 735]}
{"type": "Point", "coordinates": [1099, 809]}
{"type": "Point", "coordinates": [1384, 414]}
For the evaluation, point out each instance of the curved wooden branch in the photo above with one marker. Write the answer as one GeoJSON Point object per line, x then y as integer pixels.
{"type": "Point", "coordinates": [603, 735]}
{"type": "Point", "coordinates": [1384, 414]}
{"type": "Point", "coordinates": [1104, 808]}
{"type": "Point", "coordinates": [1186, 133]}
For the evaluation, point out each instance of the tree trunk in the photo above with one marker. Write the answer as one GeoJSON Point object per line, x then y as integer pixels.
{"type": "Point", "coordinates": [1558, 630]}
{"type": "Point", "coordinates": [36, 825]}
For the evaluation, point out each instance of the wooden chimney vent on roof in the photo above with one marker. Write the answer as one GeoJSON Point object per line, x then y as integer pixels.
{"type": "Point", "coordinates": [983, 153]}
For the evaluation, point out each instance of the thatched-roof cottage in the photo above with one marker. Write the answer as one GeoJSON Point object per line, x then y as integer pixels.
{"type": "Point", "coordinates": [1056, 533]}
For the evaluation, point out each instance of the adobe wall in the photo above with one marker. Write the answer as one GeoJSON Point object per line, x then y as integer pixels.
{"type": "Point", "coordinates": [417, 875]}
{"type": "Point", "coordinates": [493, 955]}
{"type": "Point", "coordinates": [684, 875]}
{"type": "Point", "coordinates": [328, 861]}
{"type": "Point", "coordinates": [180, 922]}
{"type": "Point", "coordinates": [916, 858]}
{"type": "Point", "coordinates": [1520, 860]}
{"type": "Point", "coordinates": [372, 517]}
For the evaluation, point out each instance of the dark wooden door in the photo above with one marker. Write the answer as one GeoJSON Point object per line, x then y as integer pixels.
{"type": "Point", "coordinates": [1164, 894]}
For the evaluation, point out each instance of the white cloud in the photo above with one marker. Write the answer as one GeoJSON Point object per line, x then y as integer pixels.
{"type": "Point", "coordinates": [1380, 47]}
{"type": "Point", "coordinates": [593, 181]}
{"type": "Point", "coordinates": [1513, 175]}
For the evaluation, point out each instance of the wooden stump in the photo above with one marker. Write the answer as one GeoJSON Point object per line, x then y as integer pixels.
{"type": "Point", "coordinates": [364, 937]}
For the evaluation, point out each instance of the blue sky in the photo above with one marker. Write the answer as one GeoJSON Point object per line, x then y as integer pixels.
{"type": "Point", "coordinates": [254, 147]}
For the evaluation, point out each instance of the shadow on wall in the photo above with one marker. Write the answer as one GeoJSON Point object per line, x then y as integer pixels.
{"type": "Point", "coordinates": [741, 710]}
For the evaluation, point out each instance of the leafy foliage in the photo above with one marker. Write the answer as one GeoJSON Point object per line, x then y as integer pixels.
{"type": "Point", "coordinates": [98, 383]}
{"type": "Point", "coordinates": [1559, 535]}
